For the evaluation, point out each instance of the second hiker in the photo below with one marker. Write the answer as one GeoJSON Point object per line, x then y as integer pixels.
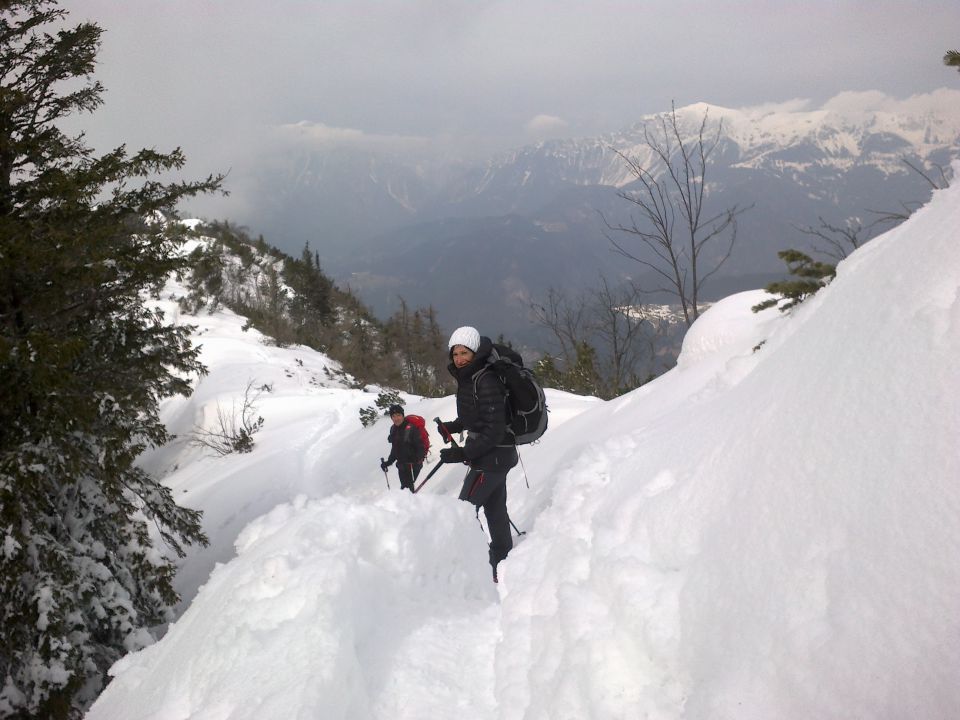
{"type": "Point", "coordinates": [406, 448]}
{"type": "Point", "coordinates": [489, 449]}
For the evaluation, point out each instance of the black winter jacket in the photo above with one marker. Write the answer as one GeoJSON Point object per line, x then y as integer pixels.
{"type": "Point", "coordinates": [482, 412]}
{"type": "Point", "coordinates": [406, 444]}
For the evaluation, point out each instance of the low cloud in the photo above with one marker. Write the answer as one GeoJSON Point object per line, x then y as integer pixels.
{"type": "Point", "coordinates": [545, 125]}
{"type": "Point", "coordinates": [942, 100]}
{"type": "Point", "coordinates": [854, 102]}
{"type": "Point", "coordinates": [787, 106]}
{"type": "Point", "coordinates": [860, 101]}
{"type": "Point", "coordinates": [317, 135]}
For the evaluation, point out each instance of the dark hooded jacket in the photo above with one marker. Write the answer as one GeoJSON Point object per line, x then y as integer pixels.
{"type": "Point", "coordinates": [482, 412]}
{"type": "Point", "coordinates": [406, 446]}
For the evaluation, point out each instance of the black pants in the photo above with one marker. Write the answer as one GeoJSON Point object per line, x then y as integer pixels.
{"type": "Point", "coordinates": [408, 473]}
{"type": "Point", "coordinates": [487, 489]}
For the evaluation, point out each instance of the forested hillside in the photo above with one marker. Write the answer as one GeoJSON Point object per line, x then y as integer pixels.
{"type": "Point", "coordinates": [293, 301]}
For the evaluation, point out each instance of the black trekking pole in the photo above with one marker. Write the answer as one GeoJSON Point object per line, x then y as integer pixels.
{"type": "Point", "coordinates": [519, 531]}
{"type": "Point", "coordinates": [429, 475]}
{"type": "Point", "coordinates": [385, 476]}
{"type": "Point", "coordinates": [448, 437]}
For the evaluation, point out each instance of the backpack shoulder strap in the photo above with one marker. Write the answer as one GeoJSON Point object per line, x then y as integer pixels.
{"type": "Point", "coordinates": [488, 369]}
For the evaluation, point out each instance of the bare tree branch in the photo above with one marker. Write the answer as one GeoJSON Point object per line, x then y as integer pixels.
{"type": "Point", "coordinates": [235, 428]}
{"type": "Point", "coordinates": [611, 323]}
{"type": "Point", "coordinates": [670, 204]}
{"type": "Point", "coordinates": [926, 177]}
{"type": "Point", "coordinates": [840, 241]}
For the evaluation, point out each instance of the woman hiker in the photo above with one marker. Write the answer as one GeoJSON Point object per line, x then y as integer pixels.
{"type": "Point", "coordinates": [489, 449]}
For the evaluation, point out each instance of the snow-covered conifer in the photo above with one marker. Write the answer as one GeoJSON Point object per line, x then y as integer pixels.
{"type": "Point", "coordinates": [84, 363]}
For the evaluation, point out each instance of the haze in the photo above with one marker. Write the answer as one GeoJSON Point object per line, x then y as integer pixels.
{"type": "Point", "coordinates": [227, 81]}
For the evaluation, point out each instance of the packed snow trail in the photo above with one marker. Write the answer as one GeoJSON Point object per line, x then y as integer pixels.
{"type": "Point", "coordinates": [331, 618]}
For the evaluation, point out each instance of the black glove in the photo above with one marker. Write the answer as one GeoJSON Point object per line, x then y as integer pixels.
{"type": "Point", "coordinates": [452, 455]}
{"type": "Point", "coordinates": [442, 429]}
{"type": "Point", "coordinates": [384, 465]}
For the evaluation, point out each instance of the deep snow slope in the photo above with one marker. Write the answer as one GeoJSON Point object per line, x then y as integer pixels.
{"type": "Point", "coordinates": [771, 530]}
{"type": "Point", "coordinates": [784, 542]}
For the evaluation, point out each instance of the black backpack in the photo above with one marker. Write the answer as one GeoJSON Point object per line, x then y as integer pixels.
{"type": "Point", "coordinates": [526, 403]}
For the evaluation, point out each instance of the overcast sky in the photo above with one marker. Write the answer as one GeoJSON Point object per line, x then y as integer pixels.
{"type": "Point", "coordinates": [220, 77]}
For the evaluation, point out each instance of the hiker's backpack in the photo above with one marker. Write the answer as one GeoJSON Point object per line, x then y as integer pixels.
{"type": "Point", "coordinates": [421, 425]}
{"type": "Point", "coordinates": [526, 403]}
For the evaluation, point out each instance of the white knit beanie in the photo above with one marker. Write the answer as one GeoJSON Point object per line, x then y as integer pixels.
{"type": "Point", "coordinates": [466, 336]}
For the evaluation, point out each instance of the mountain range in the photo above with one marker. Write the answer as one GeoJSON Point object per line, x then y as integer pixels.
{"type": "Point", "coordinates": [481, 241]}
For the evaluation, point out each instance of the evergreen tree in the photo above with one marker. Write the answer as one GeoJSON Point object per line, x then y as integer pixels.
{"type": "Point", "coordinates": [952, 59]}
{"type": "Point", "coordinates": [547, 372]}
{"type": "Point", "coordinates": [810, 274]}
{"type": "Point", "coordinates": [271, 306]}
{"type": "Point", "coordinates": [310, 307]}
{"type": "Point", "coordinates": [583, 377]}
{"type": "Point", "coordinates": [84, 362]}
{"type": "Point", "coordinates": [418, 343]}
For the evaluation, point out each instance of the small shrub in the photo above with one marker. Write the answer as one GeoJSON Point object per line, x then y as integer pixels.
{"type": "Point", "coordinates": [369, 415]}
{"type": "Point", "coordinates": [235, 428]}
{"type": "Point", "coordinates": [387, 398]}
{"type": "Point", "coordinates": [811, 276]}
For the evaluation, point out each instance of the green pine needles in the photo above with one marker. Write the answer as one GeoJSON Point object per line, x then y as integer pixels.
{"type": "Point", "coordinates": [952, 59]}
{"type": "Point", "coordinates": [385, 398]}
{"type": "Point", "coordinates": [84, 363]}
{"type": "Point", "coordinates": [810, 274]}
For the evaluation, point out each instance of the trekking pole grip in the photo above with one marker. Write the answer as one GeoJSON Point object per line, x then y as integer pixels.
{"type": "Point", "coordinates": [385, 475]}
{"type": "Point", "coordinates": [446, 434]}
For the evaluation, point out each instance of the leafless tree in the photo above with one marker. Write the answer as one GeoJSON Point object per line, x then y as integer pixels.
{"type": "Point", "coordinates": [565, 318]}
{"type": "Point", "coordinates": [625, 333]}
{"type": "Point", "coordinates": [235, 428]}
{"type": "Point", "coordinates": [671, 204]}
{"type": "Point", "coordinates": [835, 241]}
{"type": "Point", "coordinates": [895, 217]}
{"type": "Point", "coordinates": [612, 321]}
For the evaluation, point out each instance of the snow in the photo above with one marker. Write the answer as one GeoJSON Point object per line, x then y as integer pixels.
{"type": "Point", "coordinates": [849, 115]}
{"type": "Point", "coordinates": [836, 131]}
{"type": "Point", "coordinates": [770, 530]}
